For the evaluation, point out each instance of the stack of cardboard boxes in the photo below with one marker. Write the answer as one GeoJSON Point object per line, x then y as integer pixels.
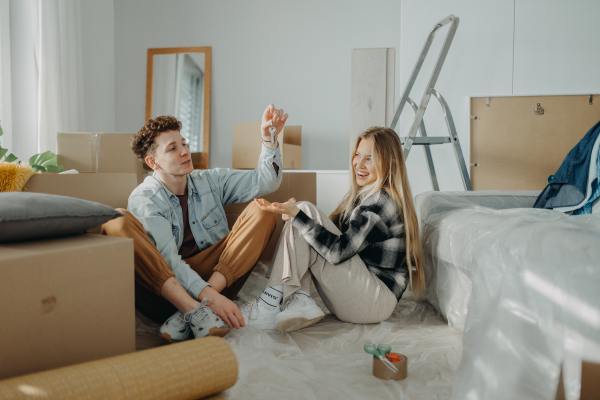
{"type": "Point", "coordinates": [98, 152]}
{"type": "Point", "coordinates": [68, 300]}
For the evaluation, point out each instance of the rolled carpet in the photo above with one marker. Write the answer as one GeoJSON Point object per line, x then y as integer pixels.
{"type": "Point", "coordinates": [189, 370]}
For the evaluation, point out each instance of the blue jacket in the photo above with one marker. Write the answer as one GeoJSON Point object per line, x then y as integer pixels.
{"type": "Point", "coordinates": [567, 187]}
{"type": "Point", "coordinates": [209, 190]}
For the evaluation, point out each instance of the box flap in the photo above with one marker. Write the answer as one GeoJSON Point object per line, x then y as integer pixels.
{"type": "Point", "coordinates": [112, 190]}
{"type": "Point", "coordinates": [74, 151]}
{"type": "Point", "coordinates": [293, 135]}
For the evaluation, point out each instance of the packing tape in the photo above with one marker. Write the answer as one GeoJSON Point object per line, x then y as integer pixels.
{"type": "Point", "coordinates": [96, 156]}
{"type": "Point", "coordinates": [380, 370]}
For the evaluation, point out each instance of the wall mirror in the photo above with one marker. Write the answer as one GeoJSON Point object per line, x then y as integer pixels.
{"type": "Point", "coordinates": [178, 84]}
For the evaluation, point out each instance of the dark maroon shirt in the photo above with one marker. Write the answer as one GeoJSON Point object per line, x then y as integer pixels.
{"type": "Point", "coordinates": [189, 247]}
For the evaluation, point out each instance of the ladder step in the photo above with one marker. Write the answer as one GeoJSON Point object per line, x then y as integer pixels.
{"type": "Point", "coordinates": [428, 140]}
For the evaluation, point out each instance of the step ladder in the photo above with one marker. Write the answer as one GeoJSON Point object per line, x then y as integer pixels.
{"type": "Point", "coordinates": [418, 125]}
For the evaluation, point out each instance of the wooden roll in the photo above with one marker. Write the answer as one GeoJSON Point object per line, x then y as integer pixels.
{"type": "Point", "coordinates": [189, 370]}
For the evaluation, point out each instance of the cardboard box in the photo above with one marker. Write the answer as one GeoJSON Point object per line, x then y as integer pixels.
{"type": "Point", "coordinates": [300, 185]}
{"type": "Point", "coordinates": [112, 189]}
{"type": "Point", "coordinates": [291, 146]}
{"type": "Point", "coordinates": [247, 146]}
{"type": "Point", "coordinates": [65, 301]}
{"type": "Point", "coordinates": [590, 382]}
{"type": "Point", "coordinates": [98, 152]}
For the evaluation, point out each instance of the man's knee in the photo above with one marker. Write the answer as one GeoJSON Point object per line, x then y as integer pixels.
{"type": "Point", "coordinates": [117, 226]}
{"type": "Point", "coordinates": [253, 211]}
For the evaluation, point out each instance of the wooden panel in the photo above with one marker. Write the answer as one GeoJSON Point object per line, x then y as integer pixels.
{"type": "Point", "coordinates": [517, 150]}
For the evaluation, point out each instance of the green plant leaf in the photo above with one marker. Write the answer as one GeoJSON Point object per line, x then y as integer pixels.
{"type": "Point", "coordinates": [45, 162]}
{"type": "Point", "coordinates": [55, 168]}
{"type": "Point", "coordinates": [11, 158]}
{"type": "Point", "coordinates": [1, 131]}
{"type": "Point", "coordinates": [44, 158]}
{"type": "Point", "coordinates": [2, 152]}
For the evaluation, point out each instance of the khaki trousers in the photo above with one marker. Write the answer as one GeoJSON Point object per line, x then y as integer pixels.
{"type": "Point", "coordinates": [349, 289]}
{"type": "Point", "coordinates": [234, 256]}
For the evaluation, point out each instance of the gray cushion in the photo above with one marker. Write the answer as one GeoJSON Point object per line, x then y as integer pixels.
{"type": "Point", "coordinates": [36, 215]}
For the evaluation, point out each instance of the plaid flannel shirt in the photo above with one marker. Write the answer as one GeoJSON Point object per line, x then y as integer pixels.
{"type": "Point", "coordinates": [374, 231]}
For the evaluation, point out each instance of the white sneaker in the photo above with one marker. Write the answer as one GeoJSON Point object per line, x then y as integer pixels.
{"type": "Point", "coordinates": [203, 321]}
{"type": "Point", "coordinates": [299, 312]}
{"type": "Point", "coordinates": [257, 315]}
{"type": "Point", "coordinates": [176, 329]}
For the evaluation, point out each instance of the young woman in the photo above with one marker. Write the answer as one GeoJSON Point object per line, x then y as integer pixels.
{"type": "Point", "coordinates": [361, 259]}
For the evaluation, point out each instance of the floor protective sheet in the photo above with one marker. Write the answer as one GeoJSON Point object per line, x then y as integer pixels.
{"type": "Point", "coordinates": [327, 360]}
{"type": "Point", "coordinates": [523, 283]}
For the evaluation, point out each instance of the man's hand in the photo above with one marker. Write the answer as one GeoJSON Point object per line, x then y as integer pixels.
{"type": "Point", "coordinates": [278, 118]}
{"type": "Point", "coordinates": [225, 308]}
{"type": "Point", "coordinates": [288, 208]}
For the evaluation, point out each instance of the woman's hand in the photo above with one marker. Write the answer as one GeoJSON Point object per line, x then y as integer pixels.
{"type": "Point", "coordinates": [274, 115]}
{"type": "Point", "coordinates": [287, 209]}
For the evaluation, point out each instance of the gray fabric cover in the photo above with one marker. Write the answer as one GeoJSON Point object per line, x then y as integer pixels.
{"type": "Point", "coordinates": [26, 216]}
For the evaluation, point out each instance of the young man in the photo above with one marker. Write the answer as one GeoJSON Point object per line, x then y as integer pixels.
{"type": "Point", "coordinates": [188, 265]}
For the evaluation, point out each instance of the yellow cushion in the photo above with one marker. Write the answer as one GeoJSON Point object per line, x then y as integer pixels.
{"type": "Point", "coordinates": [14, 177]}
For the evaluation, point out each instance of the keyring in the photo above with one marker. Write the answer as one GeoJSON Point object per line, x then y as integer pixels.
{"type": "Point", "coordinates": [272, 131]}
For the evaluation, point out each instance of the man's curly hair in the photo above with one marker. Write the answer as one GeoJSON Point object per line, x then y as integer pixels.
{"type": "Point", "coordinates": [143, 143]}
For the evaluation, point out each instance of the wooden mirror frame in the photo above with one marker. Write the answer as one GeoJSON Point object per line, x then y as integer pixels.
{"type": "Point", "coordinates": [203, 157]}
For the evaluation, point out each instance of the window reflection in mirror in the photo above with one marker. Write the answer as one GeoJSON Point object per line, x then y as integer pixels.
{"type": "Point", "coordinates": [178, 90]}
{"type": "Point", "coordinates": [178, 84]}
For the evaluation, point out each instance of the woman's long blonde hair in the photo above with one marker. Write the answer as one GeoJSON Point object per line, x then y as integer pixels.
{"type": "Point", "coordinates": [388, 160]}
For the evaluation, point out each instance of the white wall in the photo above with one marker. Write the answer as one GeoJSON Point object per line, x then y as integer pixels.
{"type": "Point", "coordinates": [500, 49]}
{"type": "Point", "coordinates": [98, 63]}
{"type": "Point", "coordinates": [557, 47]}
{"type": "Point", "coordinates": [295, 54]}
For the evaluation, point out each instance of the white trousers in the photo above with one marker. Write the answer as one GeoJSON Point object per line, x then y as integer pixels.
{"type": "Point", "coordinates": [349, 290]}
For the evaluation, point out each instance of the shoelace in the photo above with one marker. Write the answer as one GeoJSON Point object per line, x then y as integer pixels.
{"type": "Point", "coordinates": [295, 298]}
{"type": "Point", "coordinates": [194, 317]}
{"type": "Point", "coordinates": [250, 307]}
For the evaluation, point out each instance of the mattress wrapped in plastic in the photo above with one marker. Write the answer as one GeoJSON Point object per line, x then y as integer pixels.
{"type": "Point", "coordinates": [448, 242]}
{"type": "Point", "coordinates": [530, 281]}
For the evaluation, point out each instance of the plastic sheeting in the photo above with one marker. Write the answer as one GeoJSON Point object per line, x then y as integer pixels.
{"type": "Point", "coordinates": [448, 244]}
{"type": "Point", "coordinates": [530, 280]}
{"type": "Point", "coordinates": [327, 361]}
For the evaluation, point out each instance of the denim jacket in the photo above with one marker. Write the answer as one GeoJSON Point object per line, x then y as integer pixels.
{"type": "Point", "coordinates": [568, 186]}
{"type": "Point", "coordinates": [209, 190]}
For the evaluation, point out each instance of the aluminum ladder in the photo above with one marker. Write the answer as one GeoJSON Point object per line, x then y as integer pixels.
{"type": "Point", "coordinates": [418, 124]}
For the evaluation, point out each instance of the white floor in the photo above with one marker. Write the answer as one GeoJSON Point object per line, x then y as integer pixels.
{"type": "Point", "coordinates": [327, 361]}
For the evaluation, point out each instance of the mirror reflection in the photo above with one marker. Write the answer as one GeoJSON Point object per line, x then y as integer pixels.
{"type": "Point", "coordinates": [179, 85]}
{"type": "Point", "coordinates": [178, 90]}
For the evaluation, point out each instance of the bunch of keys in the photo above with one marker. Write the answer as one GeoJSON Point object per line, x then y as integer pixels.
{"type": "Point", "coordinates": [272, 131]}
